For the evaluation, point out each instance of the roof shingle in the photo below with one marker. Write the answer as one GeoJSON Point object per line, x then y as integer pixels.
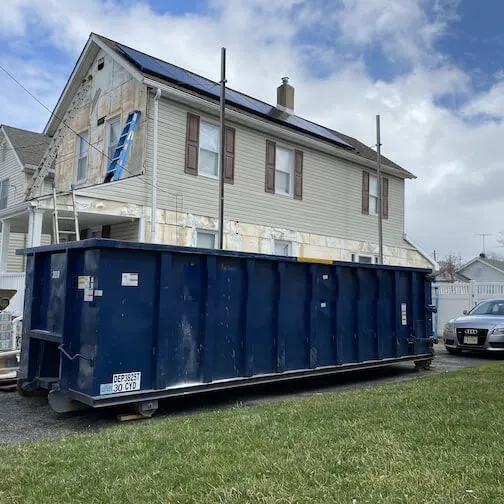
{"type": "Point", "coordinates": [29, 146]}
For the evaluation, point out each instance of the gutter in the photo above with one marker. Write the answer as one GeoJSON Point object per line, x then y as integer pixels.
{"type": "Point", "coordinates": [154, 167]}
{"type": "Point", "coordinates": [271, 128]}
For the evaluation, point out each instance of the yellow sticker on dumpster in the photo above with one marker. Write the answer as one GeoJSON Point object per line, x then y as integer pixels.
{"type": "Point", "coordinates": [83, 282]}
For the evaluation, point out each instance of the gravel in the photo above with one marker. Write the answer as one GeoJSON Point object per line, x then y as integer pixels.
{"type": "Point", "coordinates": [24, 419]}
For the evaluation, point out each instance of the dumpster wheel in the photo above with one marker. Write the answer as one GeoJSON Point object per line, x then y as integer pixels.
{"type": "Point", "coordinates": [145, 408]}
{"type": "Point", "coordinates": [424, 364]}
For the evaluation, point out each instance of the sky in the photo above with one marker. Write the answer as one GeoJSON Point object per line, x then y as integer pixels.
{"type": "Point", "coordinates": [432, 69]}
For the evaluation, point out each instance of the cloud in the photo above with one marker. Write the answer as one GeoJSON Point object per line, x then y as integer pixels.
{"type": "Point", "coordinates": [321, 45]}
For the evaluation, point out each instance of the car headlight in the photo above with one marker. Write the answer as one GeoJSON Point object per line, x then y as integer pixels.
{"type": "Point", "coordinates": [499, 330]}
{"type": "Point", "coordinates": [449, 327]}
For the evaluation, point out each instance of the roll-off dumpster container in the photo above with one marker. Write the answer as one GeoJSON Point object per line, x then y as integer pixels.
{"type": "Point", "coordinates": [109, 322]}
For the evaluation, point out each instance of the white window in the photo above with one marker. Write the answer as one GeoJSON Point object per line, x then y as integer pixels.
{"type": "Point", "coordinates": [284, 168]}
{"type": "Point", "coordinates": [373, 195]}
{"type": "Point", "coordinates": [208, 150]}
{"type": "Point", "coordinates": [364, 258]}
{"type": "Point", "coordinates": [113, 133]}
{"type": "Point", "coordinates": [205, 239]}
{"type": "Point", "coordinates": [4, 193]}
{"type": "Point", "coordinates": [283, 248]}
{"type": "Point", "coordinates": [82, 156]}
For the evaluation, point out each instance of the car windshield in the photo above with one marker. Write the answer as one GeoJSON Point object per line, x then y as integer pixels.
{"type": "Point", "coordinates": [489, 308]}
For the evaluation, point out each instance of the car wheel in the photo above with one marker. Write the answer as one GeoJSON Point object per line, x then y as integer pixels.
{"type": "Point", "coordinates": [453, 351]}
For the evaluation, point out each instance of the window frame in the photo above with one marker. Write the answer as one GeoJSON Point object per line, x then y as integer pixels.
{"type": "Point", "coordinates": [4, 183]}
{"type": "Point", "coordinates": [213, 125]}
{"type": "Point", "coordinates": [291, 172]}
{"type": "Point", "coordinates": [286, 243]}
{"type": "Point", "coordinates": [78, 157]}
{"type": "Point", "coordinates": [208, 232]}
{"type": "Point", "coordinates": [356, 258]}
{"type": "Point", "coordinates": [372, 197]}
{"type": "Point", "coordinates": [107, 137]}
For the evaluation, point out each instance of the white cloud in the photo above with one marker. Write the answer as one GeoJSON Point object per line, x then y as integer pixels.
{"type": "Point", "coordinates": [490, 103]}
{"type": "Point", "coordinates": [458, 163]}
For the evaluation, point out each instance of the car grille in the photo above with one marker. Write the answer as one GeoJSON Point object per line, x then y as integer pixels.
{"type": "Point", "coordinates": [481, 333]}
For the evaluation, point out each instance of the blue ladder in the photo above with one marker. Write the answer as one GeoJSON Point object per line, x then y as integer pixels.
{"type": "Point", "coordinates": [118, 161]}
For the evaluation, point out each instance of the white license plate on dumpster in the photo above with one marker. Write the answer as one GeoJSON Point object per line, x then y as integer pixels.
{"type": "Point", "coordinates": [470, 340]}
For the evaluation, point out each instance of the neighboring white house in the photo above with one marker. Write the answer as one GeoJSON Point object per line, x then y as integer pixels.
{"type": "Point", "coordinates": [292, 187]}
{"type": "Point", "coordinates": [20, 155]}
{"type": "Point", "coordinates": [483, 269]}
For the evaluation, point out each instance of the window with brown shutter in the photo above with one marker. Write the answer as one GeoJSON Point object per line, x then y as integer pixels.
{"type": "Point", "coordinates": [365, 193]}
{"type": "Point", "coordinates": [192, 144]}
{"type": "Point", "coordinates": [298, 175]}
{"type": "Point", "coordinates": [229, 154]}
{"type": "Point", "coordinates": [269, 183]}
{"type": "Point", "coordinates": [385, 197]}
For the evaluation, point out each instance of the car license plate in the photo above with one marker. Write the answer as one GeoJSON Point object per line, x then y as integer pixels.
{"type": "Point", "coordinates": [470, 340]}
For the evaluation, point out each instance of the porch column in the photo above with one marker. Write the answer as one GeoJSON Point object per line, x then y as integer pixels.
{"type": "Point", "coordinates": [35, 227]}
{"type": "Point", "coordinates": [4, 249]}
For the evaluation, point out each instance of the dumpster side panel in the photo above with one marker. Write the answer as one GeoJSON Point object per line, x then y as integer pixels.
{"type": "Point", "coordinates": [181, 320]}
{"type": "Point", "coordinates": [261, 325]}
{"type": "Point", "coordinates": [121, 320]}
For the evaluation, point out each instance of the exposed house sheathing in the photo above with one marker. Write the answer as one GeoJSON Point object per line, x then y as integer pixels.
{"type": "Point", "coordinates": [114, 94]}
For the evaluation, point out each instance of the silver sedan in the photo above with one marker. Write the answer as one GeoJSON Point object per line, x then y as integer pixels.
{"type": "Point", "coordinates": [482, 328]}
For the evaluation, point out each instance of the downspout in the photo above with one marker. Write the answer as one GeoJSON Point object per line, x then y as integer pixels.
{"type": "Point", "coordinates": [154, 168]}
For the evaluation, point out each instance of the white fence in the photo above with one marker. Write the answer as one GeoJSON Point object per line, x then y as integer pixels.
{"type": "Point", "coordinates": [14, 281]}
{"type": "Point", "coordinates": [452, 299]}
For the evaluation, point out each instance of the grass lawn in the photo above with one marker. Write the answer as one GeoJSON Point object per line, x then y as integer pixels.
{"type": "Point", "coordinates": [439, 439]}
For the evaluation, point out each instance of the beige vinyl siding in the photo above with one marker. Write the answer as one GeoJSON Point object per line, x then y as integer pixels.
{"type": "Point", "coordinates": [17, 241]}
{"type": "Point", "coordinates": [12, 169]}
{"type": "Point", "coordinates": [15, 263]}
{"type": "Point", "coordinates": [331, 204]}
{"type": "Point", "coordinates": [130, 190]}
{"type": "Point", "coordinates": [125, 231]}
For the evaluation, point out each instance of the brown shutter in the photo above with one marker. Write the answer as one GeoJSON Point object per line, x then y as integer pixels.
{"type": "Point", "coordinates": [192, 144]}
{"type": "Point", "coordinates": [229, 154]}
{"type": "Point", "coordinates": [269, 184]}
{"type": "Point", "coordinates": [385, 197]}
{"type": "Point", "coordinates": [365, 193]}
{"type": "Point", "coordinates": [298, 175]}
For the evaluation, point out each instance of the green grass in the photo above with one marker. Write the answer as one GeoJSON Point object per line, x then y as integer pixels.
{"type": "Point", "coordinates": [439, 439]}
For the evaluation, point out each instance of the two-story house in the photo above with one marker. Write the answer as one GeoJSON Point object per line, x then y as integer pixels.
{"type": "Point", "coordinates": [292, 187]}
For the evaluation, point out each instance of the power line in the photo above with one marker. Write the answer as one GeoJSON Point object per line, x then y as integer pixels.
{"type": "Point", "coordinates": [73, 131]}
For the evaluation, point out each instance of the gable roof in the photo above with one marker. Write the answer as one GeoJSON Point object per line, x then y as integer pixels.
{"type": "Point", "coordinates": [492, 263]}
{"type": "Point", "coordinates": [28, 145]}
{"type": "Point", "coordinates": [147, 69]}
{"type": "Point", "coordinates": [167, 72]}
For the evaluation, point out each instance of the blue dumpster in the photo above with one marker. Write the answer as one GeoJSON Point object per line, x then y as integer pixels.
{"type": "Point", "coordinates": [108, 322]}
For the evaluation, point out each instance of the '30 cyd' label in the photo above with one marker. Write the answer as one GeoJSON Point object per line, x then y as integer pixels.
{"type": "Point", "coordinates": [122, 382]}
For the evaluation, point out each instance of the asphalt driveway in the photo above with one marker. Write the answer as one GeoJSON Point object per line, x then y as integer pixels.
{"type": "Point", "coordinates": [28, 419]}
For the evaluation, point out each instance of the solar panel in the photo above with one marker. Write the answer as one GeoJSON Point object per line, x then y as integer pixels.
{"type": "Point", "coordinates": [154, 66]}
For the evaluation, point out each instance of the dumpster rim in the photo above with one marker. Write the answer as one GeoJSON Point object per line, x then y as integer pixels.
{"type": "Point", "coordinates": [105, 243]}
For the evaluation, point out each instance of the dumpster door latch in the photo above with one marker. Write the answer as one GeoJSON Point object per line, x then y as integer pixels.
{"type": "Point", "coordinates": [74, 356]}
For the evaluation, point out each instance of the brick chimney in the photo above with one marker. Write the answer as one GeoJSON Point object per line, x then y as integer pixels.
{"type": "Point", "coordinates": [285, 96]}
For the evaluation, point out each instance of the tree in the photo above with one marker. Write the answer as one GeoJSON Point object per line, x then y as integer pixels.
{"type": "Point", "coordinates": [448, 267]}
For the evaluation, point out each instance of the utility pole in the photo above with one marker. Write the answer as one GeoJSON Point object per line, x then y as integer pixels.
{"type": "Point", "coordinates": [380, 203]}
{"type": "Point", "coordinates": [483, 236]}
{"type": "Point", "coordinates": [222, 143]}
